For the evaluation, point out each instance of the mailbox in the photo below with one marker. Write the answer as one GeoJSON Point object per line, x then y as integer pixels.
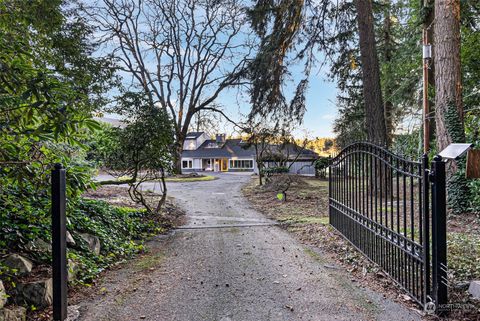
{"type": "Point", "coordinates": [455, 151]}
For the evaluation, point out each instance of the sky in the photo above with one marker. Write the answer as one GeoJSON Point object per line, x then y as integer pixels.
{"type": "Point", "coordinates": [320, 96]}
{"type": "Point", "coordinates": [320, 105]}
{"type": "Point", "coordinates": [321, 109]}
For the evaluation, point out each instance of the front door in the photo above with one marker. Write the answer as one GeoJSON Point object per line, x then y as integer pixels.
{"type": "Point", "coordinates": [224, 163]}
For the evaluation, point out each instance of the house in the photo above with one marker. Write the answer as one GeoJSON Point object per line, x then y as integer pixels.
{"type": "Point", "coordinates": [201, 153]}
{"type": "Point", "coordinates": [300, 160]}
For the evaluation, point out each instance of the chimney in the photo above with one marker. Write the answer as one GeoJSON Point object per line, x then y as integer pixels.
{"type": "Point", "coordinates": [221, 138]}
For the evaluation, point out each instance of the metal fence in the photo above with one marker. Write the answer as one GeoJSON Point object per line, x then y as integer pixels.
{"type": "Point", "coordinates": [380, 202]}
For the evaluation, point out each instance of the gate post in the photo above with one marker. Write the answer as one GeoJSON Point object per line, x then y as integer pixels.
{"type": "Point", "coordinates": [426, 229]}
{"type": "Point", "coordinates": [330, 189]}
{"type": "Point", "coordinates": [59, 243]}
{"type": "Point", "coordinates": [439, 233]}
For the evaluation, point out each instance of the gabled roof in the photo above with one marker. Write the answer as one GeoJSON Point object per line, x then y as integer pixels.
{"type": "Point", "coordinates": [291, 150]}
{"type": "Point", "coordinates": [193, 135]}
{"type": "Point", "coordinates": [237, 148]}
{"type": "Point", "coordinates": [231, 148]}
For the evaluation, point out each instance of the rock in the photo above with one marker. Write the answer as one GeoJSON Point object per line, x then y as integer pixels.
{"type": "Point", "coordinates": [70, 240]}
{"type": "Point", "coordinates": [461, 286]}
{"type": "Point", "coordinates": [19, 263]}
{"type": "Point", "coordinates": [38, 294]}
{"type": "Point", "coordinates": [474, 289]}
{"type": "Point", "coordinates": [72, 270]}
{"type": "Point", "coordinates": [73, 312]}
{"type": "Point", "coordinates": [13, 314]}
{"type": "Point", "coordinates": [3, 295]}
{"type": "Point", "coordinates": [38, 245]}
{"type": "Point", "coordinates": [92, 241]}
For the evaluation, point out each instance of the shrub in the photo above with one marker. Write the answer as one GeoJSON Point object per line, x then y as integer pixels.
{"type": "Point", "coordinates": [321, 166]}
{"type": "Point", "coordinates": [268, 171]}
{"type": "Point", "coordinates": [120, 230]}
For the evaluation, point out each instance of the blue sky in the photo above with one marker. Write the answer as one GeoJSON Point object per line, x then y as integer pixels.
{"type": "Point", "coordinates": [321, 110]}
{"type": "Point", "coordinates": [320, 105]}
{"type": "Point", "coordinates": [320, 97]}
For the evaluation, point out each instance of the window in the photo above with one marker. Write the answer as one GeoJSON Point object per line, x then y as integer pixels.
{"type": "Point", "coordinates": [187, 164]}
{"type": "Point", "coordinates": [241, 164]}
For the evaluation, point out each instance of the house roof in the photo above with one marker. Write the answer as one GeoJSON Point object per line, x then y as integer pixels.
{"type": "Point", "coordinates": [237, 148]}
{"type": "Point", "coordinates": [291, 150]}
{"type": "Point", "coordinates": [231, 148]}
{"type": "Point", "coordinates": [193, 135]}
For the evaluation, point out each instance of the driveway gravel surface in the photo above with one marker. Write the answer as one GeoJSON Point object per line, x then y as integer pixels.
{"type": "Point", "coordinates": [230, 263]}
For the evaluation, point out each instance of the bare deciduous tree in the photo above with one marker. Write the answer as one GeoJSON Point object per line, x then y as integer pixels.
{"type": "Point", "coordinates": [181, 53]}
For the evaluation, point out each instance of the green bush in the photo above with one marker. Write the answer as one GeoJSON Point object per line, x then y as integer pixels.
{"type": "Point", "coordinates": [120, 230]}
{"type": "Point", "coordinates": [321, 166]}
{"type": "Point", "coordinates": [464, 255]}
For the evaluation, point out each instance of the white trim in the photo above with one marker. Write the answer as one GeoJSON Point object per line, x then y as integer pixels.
{"type": "Point", "coordinates": [241, 159]}
{"type": "Point", "coordinates": [189, 161]}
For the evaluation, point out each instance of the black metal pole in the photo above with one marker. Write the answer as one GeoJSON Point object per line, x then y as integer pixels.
{"type": "Point", "coordinates": [439, 232]}
{"type": "Point", "coordinates": [59, 244]}
{"type": "Point", "coordinates": [426, 228]}
{"type": "Point", "coordinates": [330, 188]}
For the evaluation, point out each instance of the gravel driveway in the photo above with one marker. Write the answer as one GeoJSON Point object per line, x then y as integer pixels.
{"type": "Point", "coordinates": [230, 263]}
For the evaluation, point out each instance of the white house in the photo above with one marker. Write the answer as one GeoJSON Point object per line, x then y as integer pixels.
{"type": "Point", "coordinates": [200, 153]}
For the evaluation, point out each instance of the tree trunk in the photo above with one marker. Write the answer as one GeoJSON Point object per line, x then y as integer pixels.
{"type": "Point", "coordinates": [177, 155]}
{"type": "Point", "coordinates": [388, 105]}
{"type": "Point", "coordinates": [374, 112]}
{"type": "Point", "coordinates": [260, 172]}
{"type": "Point", "coordinates": [164, 191]}
{"type": "Point", "coordinates": [448, 96]}
{"type": "Point", "coordinates": [448, 91]}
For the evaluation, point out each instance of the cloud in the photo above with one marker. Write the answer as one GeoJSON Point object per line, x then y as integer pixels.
{"type": "Point", "coordinates": [328, 116]}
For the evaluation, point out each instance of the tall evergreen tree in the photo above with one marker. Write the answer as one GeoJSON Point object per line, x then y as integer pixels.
{"type": "Point", "coordinates": [372, 91]}
{"type": "Point", "coordinates": [448, 79]}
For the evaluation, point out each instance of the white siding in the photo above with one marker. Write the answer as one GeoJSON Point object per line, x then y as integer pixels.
{"type": "Point", "coordinates": [193, 144]}
{"type": "Point", "coordinates": [201, 139]}
{"type": "Point", "coordinates": [302, 168]}
{"type": "Point", "coordinates": [197, 163]}
{"type": "Point", "coordinates": [298, 167]}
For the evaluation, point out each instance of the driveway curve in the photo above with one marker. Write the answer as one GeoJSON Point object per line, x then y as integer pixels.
{"type": "Point", "coordinates": [230, 263]}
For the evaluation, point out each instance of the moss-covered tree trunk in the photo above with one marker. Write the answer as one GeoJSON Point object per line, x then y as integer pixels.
{"type": "Point", "coordinates": [448, 95]}
{"type": "Point", "coordinates": [388, 83]}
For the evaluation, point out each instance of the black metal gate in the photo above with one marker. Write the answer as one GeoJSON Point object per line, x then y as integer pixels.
{"type": "Point", "coordinates": [380, 202]}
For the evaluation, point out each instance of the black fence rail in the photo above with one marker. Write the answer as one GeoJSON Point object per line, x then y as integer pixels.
{"type": "Point", "coordinates": [380, 202]}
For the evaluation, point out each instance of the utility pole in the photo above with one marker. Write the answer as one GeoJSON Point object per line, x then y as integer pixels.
{"type": "Point", "coordinates": [427, 57]}
{"type": "Point", "coordinates": [428, 78]}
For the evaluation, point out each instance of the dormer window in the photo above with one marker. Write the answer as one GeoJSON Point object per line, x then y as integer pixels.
{"type": "Point", "coordinates": [190, 144]}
